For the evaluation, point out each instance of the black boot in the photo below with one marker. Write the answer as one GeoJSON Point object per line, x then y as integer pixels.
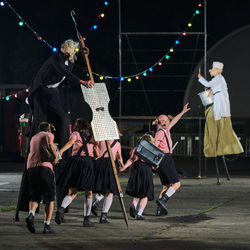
{"type": "Point", "coordinates": [162, 202]}
{"type": "Point", "coordinates": [94, 207]}
{"type": "Point", "coordinates": [47, 229]}
{"type": "Point", "coordinates": [103, 218]}
{"type": "Point", "coordinates": [59, 215]}
{"type": "Point", "coordinates": [30, 223]}
{"type": "Point", "coordinates": [87, 222]}
{"type": "Point", "coordinates": [160, 211]}
{"type": "Point", "coordinates": [132, 211]}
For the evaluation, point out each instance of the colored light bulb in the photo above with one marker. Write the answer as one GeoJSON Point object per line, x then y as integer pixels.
{"type": "Point", "coordinates": [101, 77]}
{"type": "Point", "coordinates": [160, 63]}
{"type": "Point", "coordinates": [167, 57]}
{"type": "Point", "coordinates": [129, 80]}
{"type": "Point", "coordinates": [145, 73]}
{"type": "Point", "coordinates": [106, 3]}
{"type": "Point", "coordinates": [150, 69]}
{"type": "Point", "coordinates": [177, 42]}
{"type": "Point", "coordinates": [122, 78]}
{"type": "Point", "coordinates": [197, 12]}
{"type": "Point", "coordinates": [171, 50]}
{"type": "Point", "coordinates": [54, 49]}
{"type": "Point", "coordinates": [189, 24]}
{"type": "Point", "coordinates": [7, 98]}
{"type": "Point", "coordinates": [20, 23]}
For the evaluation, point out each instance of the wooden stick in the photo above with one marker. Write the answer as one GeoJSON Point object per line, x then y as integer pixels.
{"type": "Point", "coordinates": [117, 182]}
{"type": "Point", "coordinates": [199, 70]}
{"type": "Point", "coordinates": [107, 142]}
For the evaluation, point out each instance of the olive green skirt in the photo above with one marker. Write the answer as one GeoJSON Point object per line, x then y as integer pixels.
{"type": "Point", "coordinates": [219, 136]}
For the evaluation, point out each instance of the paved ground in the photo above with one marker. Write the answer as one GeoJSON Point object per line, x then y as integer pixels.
{"type": "Point", "coordinates": [202, 215]}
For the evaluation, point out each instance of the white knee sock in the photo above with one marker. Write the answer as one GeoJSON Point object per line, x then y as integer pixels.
{"type": "Point", "coordinates": [88, 206]}
{"type": "Point", "coordinates": [32, 212]}
{"type": "Point", "coordinates": [170, 191]}
{"type": "Point", "coordinates": [66, 201]}
{"type": "Point", "coordinates": [107, 204]}
{"type": "Point", "coordinates": [140, 211]}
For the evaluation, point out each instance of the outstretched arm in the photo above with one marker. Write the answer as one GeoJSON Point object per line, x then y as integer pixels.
{"type": "Point", "coordinates": [178, 117]}
{"type": "Point", "coordinates": [67, 146]}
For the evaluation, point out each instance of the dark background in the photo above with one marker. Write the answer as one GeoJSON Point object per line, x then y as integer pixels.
{"type": "Point", "coordinates": [162, 90]}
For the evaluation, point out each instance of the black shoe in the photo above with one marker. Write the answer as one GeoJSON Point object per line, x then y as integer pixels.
{"type": "Point", "coordinates": [59, 215]}
{"type": "Point", "coordinates": [87, 222]}
{"type": "Point", "coordinates": [47, 229]}
{"type": "Point", "coordinates": [139, 217]}
{"type": "Point", "coordinates": [160, 211]}
{"type": "Point", "coordinates": [30, 223]}
{"type": "Point", "coordinates": [94, 208]}
{"type": "Point", "coordinates": [132, 211]}
{"type": "Point", "coordinates": [103, 218]}
{"type": "Point", "coordinates": [162, 202]}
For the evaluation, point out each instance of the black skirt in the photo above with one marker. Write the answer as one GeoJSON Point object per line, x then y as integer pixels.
{"type": "Point", "coordinates": [104, 177]}
{"type": "Point", "coordinates": [77, 173]}
{"type": "Point", "coordinates": [140, 183]}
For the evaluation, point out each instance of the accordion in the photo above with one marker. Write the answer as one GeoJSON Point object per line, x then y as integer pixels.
{"type": "Point", "coordinates": [149, 152]}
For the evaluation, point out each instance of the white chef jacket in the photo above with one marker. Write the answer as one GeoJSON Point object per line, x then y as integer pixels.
{"type": "Point", "coordinates": [220, 96]}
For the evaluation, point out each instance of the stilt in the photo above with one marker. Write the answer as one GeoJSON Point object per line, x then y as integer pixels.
{"type": "Point", "coordinates": [225, 165]}
{"type": "Point", "coordinates": [217, 171]}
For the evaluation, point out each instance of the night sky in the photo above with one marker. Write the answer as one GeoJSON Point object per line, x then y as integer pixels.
{"type": "Point", "coordinates": [162, 90]}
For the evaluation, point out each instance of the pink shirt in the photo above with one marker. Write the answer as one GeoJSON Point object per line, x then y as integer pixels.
{"type": "Point", "coordinates": [34, 157]}
{"type": "Point", "coordinates": [78, 143]}
{"type": "Point", "coordinates": [160, 138]}
{"type": "Point", "coordinates": [115, 149]}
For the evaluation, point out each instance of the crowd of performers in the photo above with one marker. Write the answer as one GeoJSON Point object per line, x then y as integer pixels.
{"type": "Point", "coordinates": [88, 168]}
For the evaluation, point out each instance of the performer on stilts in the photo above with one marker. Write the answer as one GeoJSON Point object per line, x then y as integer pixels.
{"type": "Point", "coordinates": [104, 177]}
{"type": "Point", "coordinates": [140, 184]}
{"type": "Point", "coordinates": [167, 171]}
{"type": "Point", "coordinates": [219, 137]}
{"type": "Point", "coordinates": [45, 102]}
{"type": "Point", "coordinates": [78, 174]}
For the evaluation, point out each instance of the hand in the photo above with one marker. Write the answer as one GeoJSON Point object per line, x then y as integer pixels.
{"type": "Point", "coordinates": [199, 73]}
{"type": "Point", "coordinates": [55, 161]}
{"type": "Point", "coordinates": [85, 50]}
{"type": "Point", "coordinates": [186, 108]}
{"type": "Point", "coordinates": [87, 84]}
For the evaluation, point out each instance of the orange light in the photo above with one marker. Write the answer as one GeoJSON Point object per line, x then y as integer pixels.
{"type": "Point", "coordinates": [160, 63]}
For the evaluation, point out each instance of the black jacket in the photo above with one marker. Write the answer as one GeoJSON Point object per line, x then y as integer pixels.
{"type": "Point", "coordinates": [52, 71]}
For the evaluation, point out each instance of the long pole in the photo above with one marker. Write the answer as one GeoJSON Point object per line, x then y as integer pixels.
{"type": "Point", "coordinates": [205, 38]}
{"type": "Point", "coordinates": [120, 64]}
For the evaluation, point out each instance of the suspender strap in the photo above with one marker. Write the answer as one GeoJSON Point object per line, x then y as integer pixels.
{"type": "Point", "coordinates": [166, 139]}
{"type": "Point", "coordinates": [112, 145]}
{"type": "Point", "coordinates": [84, 146]}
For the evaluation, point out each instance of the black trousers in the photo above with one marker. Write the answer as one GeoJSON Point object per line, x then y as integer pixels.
{"type": "Point", "coordinates": [47, 106]}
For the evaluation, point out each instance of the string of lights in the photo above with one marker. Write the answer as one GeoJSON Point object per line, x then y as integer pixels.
{"type": "Point", "coordinates": [129, 78]}
{"type": "Point", "coordinates": [162, 59]}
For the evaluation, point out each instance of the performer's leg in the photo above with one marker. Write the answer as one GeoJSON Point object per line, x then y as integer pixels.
{"type": "Point", "coordinates": [106, 206]}
{"type": "Point", "coordinates": [142, 206]}
{"type": "Point", "coordinates": [87, 209]}
{"type": "Point", "coordinates": [132, 208]}
{"type": "Point", "coordinates": [217, 171]}
{"type": "Point", "coordinates": [98, 198]}
{"type": "Point", "coordinates": [55, 106]}
{"type": "Point", "coordinates": [225, 165]}
{"type": "Point", "coordinates": [59, 218]}
{"type": "Point", "coordinates": [49, 208]}
{"type": "Point", "coordinates": [30, 219]}
{"type": "Point", "coordinates": [165, 197]}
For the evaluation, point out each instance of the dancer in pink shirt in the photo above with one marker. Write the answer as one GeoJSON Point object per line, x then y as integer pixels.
{"type": "Point", "coordinates": [167, 171]}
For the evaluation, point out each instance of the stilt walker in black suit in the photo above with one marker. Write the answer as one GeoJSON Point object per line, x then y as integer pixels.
{"type": "Point", "coordinates": [45, 102]}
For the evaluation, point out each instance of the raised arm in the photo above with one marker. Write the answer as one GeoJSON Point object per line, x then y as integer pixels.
{"type": "Point", "coordinates": [67, 146]}
{"type": "Point", "coordinates": [178, 117]}
{"type": "Point", "coordinates": [204, 82]}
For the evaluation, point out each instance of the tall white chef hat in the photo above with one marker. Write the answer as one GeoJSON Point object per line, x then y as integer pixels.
{"type": "Point", "coordinates": [218, 65]}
